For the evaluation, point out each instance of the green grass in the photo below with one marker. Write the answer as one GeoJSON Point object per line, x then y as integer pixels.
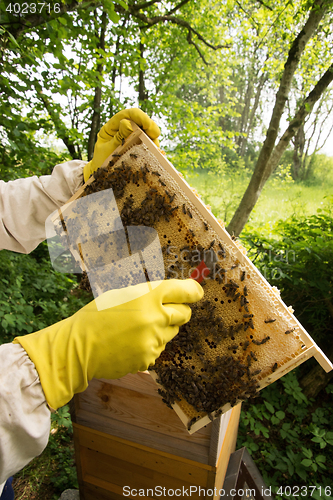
{"type": "Point", "coordinates": [279, 198]}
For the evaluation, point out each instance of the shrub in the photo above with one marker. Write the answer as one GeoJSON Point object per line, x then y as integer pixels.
{"type": "Point", "coordinates": [33, 295]}
{"type": "Point", "coordinates": [289, 436]}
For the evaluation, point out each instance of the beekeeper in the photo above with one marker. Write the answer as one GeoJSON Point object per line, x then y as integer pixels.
{"type": "Point", "coordinates": [42, 371]}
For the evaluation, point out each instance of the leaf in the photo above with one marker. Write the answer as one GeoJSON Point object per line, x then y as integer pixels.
{"type": "Point", "coordinates": [114, 16]}
{"type": "Point", "coordinates": [269, 406]}
{"type": "Point", "coordinates": [302, 473]}
{"type": "Point", "coordinates": [306, 462]}
{"type": "Point", "coordinates": [122, 3]}
{"type": "Point", "coordinates": [307, 453]}
{"type": "Point", "coordinates": [10, 319]}
{"type": "Point", "coordinates": [291, 469]}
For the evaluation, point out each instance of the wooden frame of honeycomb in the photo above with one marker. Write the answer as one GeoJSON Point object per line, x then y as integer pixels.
{"type": "Point", "coordinates": [241, 337]}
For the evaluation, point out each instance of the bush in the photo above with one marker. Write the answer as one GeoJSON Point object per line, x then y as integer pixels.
{"type": "Point", "coordinates": [33, 295]}
{"type": "Point", "coordinates": [290, 439]}
{"type": "Point", "coordinates": [289, 436]}
{"type": "Point", "coordinates": [296, 255]}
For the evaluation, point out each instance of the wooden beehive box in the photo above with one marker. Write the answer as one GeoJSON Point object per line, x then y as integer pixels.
{"type": "Point", "coordinates": [126, 437]}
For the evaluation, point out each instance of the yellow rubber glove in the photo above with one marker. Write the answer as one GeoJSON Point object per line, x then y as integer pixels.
{"type": "Point", "coordinates": [109, 343]}
{"type": "Point", "coordinates": [114, 132]}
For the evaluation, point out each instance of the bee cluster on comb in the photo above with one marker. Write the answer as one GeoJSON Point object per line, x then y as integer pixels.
{"type": "Point", "coordinates": [241, 336]}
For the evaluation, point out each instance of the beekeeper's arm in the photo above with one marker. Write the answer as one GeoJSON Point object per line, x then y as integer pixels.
{"type": "Point", "coordinates": [25, 204]}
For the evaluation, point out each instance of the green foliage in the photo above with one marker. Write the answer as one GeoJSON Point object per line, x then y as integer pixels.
{"type": "Point", "coordinates": [62, 418]}
{"type": "Point", "coordinates": [60, 448]}
{"type": "Point", "coordinates": [33, 295]}
{"type": "Point", "coordinates": [289, 438]}
{"type": "Point", "coordinates": [321, 170]}
{"type": "Point", "coordinates": [221, 187]}
{"type": "Point", "coordinates": [296, 255]}
{"type": "Point", "coordinates": [211, 99]}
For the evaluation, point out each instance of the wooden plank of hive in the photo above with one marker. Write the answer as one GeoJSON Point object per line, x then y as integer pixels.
{"type": "Point", "coordinates": [227, 445]}
{"type": "Point", "coordinates": [110, 463]}
{"type": "Point", "coordinates": [108, 407]}
{"type": "Point", "coordinates": [270, 341]}
{"type": "Point", "coordinates": [142, 456]}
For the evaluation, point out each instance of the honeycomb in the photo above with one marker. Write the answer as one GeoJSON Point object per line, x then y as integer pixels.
{"type": "Point", "coordinates": [241, 336]}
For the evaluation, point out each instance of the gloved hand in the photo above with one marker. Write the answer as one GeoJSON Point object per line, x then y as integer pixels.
{"type": "Point", "coordinates": [109, 343]}
{"type": "Point", "coordinates": [112, 134]}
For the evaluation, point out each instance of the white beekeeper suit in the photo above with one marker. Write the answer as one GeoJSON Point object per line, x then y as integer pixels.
{"type": "Point", "coordinates": [25, 204]}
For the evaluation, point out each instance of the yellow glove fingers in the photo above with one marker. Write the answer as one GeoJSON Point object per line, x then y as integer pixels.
{"type": "Point", "coordinates": [178, 314]}
{"type": "Point", "coordinates": [175, 315]}
{"type": "Point", "coordinates": [143, 120]}
{"type": "Point", "coordinates": [170, 333]}
{"type": "Point", "coordinates": [114, 132]}
{"type": "Point", "coordinates": [138, 116]}
{"type": "Point", "coordinates": [181, 291]}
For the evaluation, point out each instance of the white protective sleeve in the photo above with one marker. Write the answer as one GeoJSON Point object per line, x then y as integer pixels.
{"type": "Point", "coordinates": [25, 204]}
{"type": "Point", "coordinates": [24, 414]}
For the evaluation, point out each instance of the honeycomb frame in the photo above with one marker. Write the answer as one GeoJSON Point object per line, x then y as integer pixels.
{"type": "Point", "coordinates": [260, 357]}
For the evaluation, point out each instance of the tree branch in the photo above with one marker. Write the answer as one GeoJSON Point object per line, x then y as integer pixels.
{"type": "Point", "coordinates": [190, 41]}
{"type": "Point", "coordinates": [298, 120]}
{"type": "Point", "coordinates": [247, 14]}
{"type": "Point", "coordinates": [267, 6]}
{"type": "Point", "coordinates": [144, 5]}
{"type": "Point", "coordinates": [95, 120]}
{"type": "Point", "coordinates": [178, 6]}
{"type": "Point", "coordinates": [151, 21]}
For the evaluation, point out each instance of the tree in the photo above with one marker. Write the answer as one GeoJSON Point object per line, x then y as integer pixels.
{"type": "Point", "coordinates": [311, 137]}
{"type": "Point", "coordinates": [269, 155]}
